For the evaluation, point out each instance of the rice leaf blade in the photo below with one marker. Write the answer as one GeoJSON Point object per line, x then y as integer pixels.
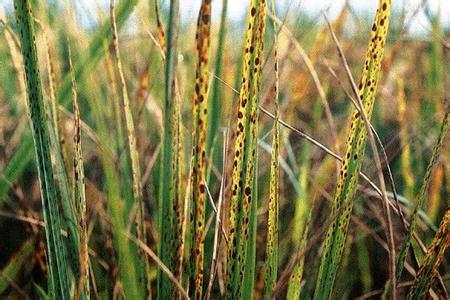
{"type": "Point", "coordinates": [245, 151]}
{"type": "Point", "coordinates": [295, 281]}
{"type": "Point", "coordinates": [52, 216]}
{"type": "Point", "coordinates": [138, 201]}
{"type": "Point", "coordinates": [271, 262]}
{"type": "Point", "coordinates": [216, 95]}
{"type": "Point", "coordinates": [79, 197]}
{"type": "Point", "coordinates": [198, 178]}
{"type": "Point", "coordinates": [169, 192]}
{"type": "Point", "coordinates": [433, 258]}
{"type": "Point", "coordinates": [351, 165]}
{"type": "Point", "coordinates": [421, 197]}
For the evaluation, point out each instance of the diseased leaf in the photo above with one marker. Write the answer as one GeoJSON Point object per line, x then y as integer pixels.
{"type": "Point", "coordinates": [79, 197]}
{"type": "Point", "coordinates": [351, 165]}
{"type": "Point", "coordinates": [198, 180]}
{"type": "Point", "coordinates": [52, 216]}
{"type": "Point", "coordinates": [245, 151]}
{"type": "Point", "coordinates": [435, 255]}
{"type": "Point", "coordinates": [271, 262]}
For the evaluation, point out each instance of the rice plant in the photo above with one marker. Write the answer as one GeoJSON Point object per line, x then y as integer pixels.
{"type": "Point", "coordinates": [335, 239]}
{"type": "Point", "coordinates": [218, 149]}
{"type": "Point", "coordinates": [59, 280]}
{"type": "Point", "coordinates": [431, 262]}
{"type": "Point", "coordinates": [271, 261]}
{"type": "Point", "coordinates": [79, 195]}
{"type": "Point", "coordinates": [242, 185]}
{"type": "Point", "coordinates": [198, 182]}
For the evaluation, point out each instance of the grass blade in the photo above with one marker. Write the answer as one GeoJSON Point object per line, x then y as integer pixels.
{"type": "Point", "coordinates": [248, 283]}
{"type": "Point", "coordinates": [295, 280]}
{"type": "Point", "coordinates": [421, 196]}
{"type": "Point", "coordinates": [336, 235]}
{"type": "Point", "coordinates": [116, 107]}
{"type": "Point", "coordinates": [143, 262]}
{"type": "Point", "coordinates": [245, 151]}
{"type": "Point", "coordinates": [52, 216]}
{"type": "Point", "coordinates": [167, 246]}
{"type": "Point", "coordinates": [198, 183]}
{"type": "Point", "coordinates": [433, 259]}
{"type": "Point", "coordinates": [214, 105]}
{"type": "Point", "coordinates": [59, 171]}
{"type": "Point", "coordinates": [59, 167]}
{"type": "Point", "coordinates": [271, 263]}
{"type": "Point", "coordinates": [79, 196]}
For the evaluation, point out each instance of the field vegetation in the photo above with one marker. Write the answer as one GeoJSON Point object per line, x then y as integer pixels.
{"type": "Point", "coordinates": [284, 156]}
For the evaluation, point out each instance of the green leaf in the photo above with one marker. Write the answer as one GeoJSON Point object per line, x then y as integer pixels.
{"type": "Point", "coordinates": [52, 216]}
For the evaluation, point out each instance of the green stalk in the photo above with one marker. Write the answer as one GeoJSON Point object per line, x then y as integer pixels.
{"type": "Point", "coordinates": [214, 105]}
{"type": "Point", "coordinates": [52, 216]}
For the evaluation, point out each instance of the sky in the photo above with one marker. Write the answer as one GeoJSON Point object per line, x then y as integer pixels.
{"type": "Point", "coordinates": [189, 9]}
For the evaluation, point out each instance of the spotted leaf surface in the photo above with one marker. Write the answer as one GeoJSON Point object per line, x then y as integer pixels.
{"type": "Point", "coordinates": [435, 255]}
{"type": "Point", "coordinates": [245, 150]}
{"type": "Point", "coordinates": [351, 165]}
{"type": "Point", "coordinates": [198, 184]}
{"type": "Point", "coordinates": [271, 261]}
{"type": "Point", "coordinates": [52, 215]}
